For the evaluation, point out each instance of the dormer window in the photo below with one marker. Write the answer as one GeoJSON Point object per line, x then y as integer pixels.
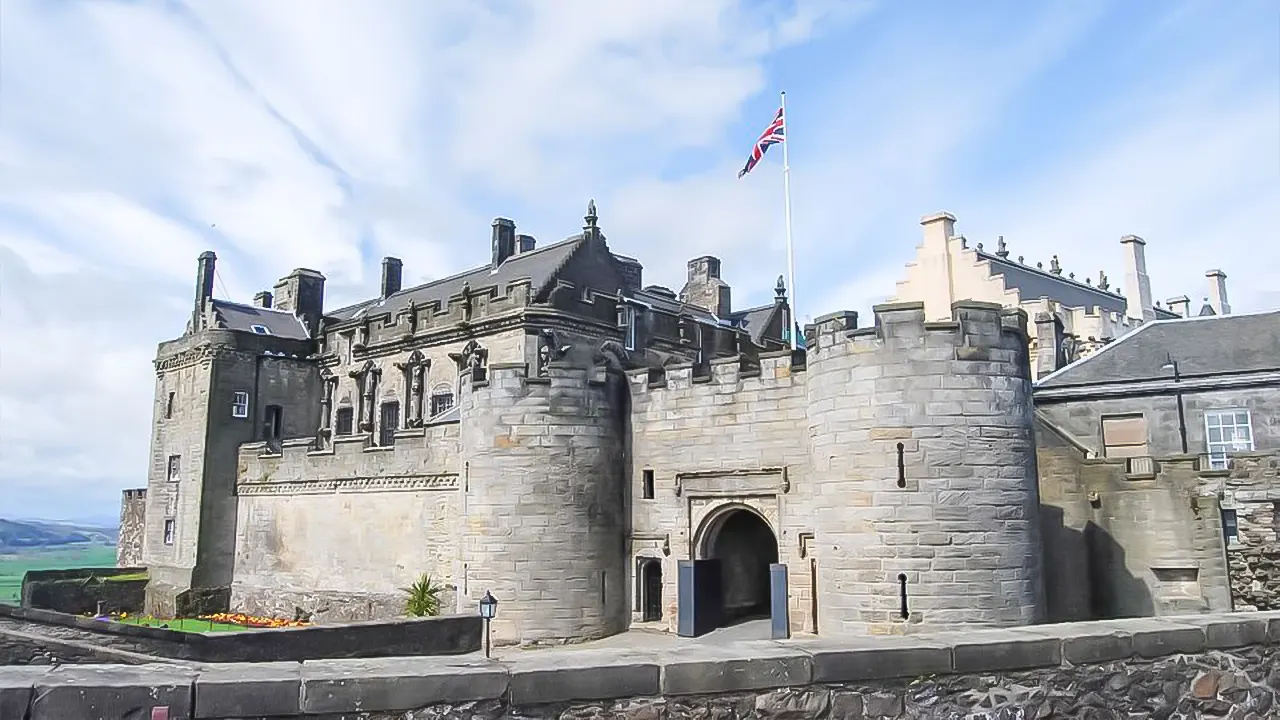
{"type": "Point", "coordinates": [627, 319]}
{"type": "Point", "coordinates": [259, 329]}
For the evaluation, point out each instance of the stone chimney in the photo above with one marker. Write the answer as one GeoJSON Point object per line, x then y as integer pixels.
{"type": "Point", "coordinates": [504, 240]}
{"type": "Point", "coordinates": [392, 274]}
{"type": "Point", "coordinates": [205, 269]}
{"type": "Point", "coordinates": [1218, 292]}
{"type": "Point", "coordinates": [263, 299]}
{"type": "Point", "coordinates": [1137, 285]}
{"type": "Point", "coordinates": [632, 273]}
{"type": "Point", "coordinates": [301, 292]}
{"type": "Point", "coordinates": [1049, 336]}
{"type": "Point", "coordinates": [1180, 306]}
{"type": "Point", "coordinates": [704, 288]}
{"type": "Point", "coordinates": [525, 244]}
{"type": "Point", "coordinates": [935, 265]}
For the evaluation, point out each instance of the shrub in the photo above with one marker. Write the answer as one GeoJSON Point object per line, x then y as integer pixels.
{"type": "Point", "coordinates": [424, 597]}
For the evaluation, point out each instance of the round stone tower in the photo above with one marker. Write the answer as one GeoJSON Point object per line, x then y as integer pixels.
{"type": "Point", "coordinates": [925, 471]}
{"type": "Point", "coordinates": [543, 525]}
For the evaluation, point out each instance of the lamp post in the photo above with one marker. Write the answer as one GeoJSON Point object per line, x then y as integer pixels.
{"type": "Point", "coordinates": [488, 608]}
{"type": "Point", "coordinates": [1171, 364]}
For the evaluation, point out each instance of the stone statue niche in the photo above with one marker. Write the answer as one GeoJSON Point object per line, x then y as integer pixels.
{"type": "Point", "coordinates": [473, 360]}
{"type": "Point", "coordinates": [550, 349]}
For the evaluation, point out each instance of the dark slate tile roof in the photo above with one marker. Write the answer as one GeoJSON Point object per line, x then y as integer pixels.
{"type": "Point", "coordinates": [1202, 346]}
{"type": "Point", "coordinates": [234, 316]}
{"type": "Point", "coordinates": [1035, 283]}
{"type": "Point", "coordinates": [675, 307]}
{"type": "Point", "coordinates": [537, 266]}
{"type": "Point", "coordinates": [755, 321]}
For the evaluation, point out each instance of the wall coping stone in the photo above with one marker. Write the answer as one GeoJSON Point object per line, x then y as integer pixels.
{"type": "Point", "coordinates": [536, 677]}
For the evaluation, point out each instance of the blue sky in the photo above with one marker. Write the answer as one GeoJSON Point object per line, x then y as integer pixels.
{"type": "Point", "coordinates": [134, 135]}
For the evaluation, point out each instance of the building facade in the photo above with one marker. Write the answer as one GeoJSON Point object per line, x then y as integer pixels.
{"type": "Point", "coordinates": [549, 429]}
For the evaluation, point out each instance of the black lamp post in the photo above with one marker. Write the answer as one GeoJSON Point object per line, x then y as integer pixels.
{"type": "Point", "coordinates": [1172, 364]}
{"type": "Point", "coordinates": [488, 608]}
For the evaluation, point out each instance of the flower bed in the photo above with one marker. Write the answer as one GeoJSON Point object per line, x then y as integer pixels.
{"type": "Point", "coordinates": [219, 622]}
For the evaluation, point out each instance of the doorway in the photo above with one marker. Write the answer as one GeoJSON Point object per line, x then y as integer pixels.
{"type": "Point", "coordinates": [651, 590]}
{"type": "Point", "coordinates": [745, 547]}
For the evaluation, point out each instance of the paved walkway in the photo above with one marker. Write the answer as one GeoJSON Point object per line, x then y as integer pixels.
{"type": "Point", "coordinates": [653, 639]}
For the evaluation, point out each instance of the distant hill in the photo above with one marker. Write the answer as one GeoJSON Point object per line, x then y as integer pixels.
{"type": "Point", "coordinates": [25, 534]}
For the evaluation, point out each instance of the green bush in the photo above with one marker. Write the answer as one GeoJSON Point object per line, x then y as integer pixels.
{"type": "Point", "coordinates": [424, 597]}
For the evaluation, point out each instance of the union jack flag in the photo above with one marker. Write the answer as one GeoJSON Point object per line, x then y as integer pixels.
{"type": "Point", "coordinates": [775, 133]}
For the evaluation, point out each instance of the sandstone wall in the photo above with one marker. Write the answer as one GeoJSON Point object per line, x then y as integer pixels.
{"type": "Point", "coordinates": [133, 519]}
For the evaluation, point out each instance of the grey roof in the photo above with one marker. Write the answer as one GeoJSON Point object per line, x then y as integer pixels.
{"type": "Point", "coordinates": [755, 321]}
{"type": "Point", "coordinates": [234, 316]}
{"type": "Point", "coordinates": [675, 307]}
{"type": "Point", "coordinates": [537, 266]}
{"type": "Point", "coordinates": [1202, 346]}
{"type": "Point", "coordinates": [1034, 283]}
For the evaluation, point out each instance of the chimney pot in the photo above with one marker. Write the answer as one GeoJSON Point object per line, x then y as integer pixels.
{"type": "Point", "coordinates": [263, 299]}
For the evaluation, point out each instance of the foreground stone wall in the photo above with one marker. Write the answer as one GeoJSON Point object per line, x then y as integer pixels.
{"type": "Point", "coordinates": [1188, 667]}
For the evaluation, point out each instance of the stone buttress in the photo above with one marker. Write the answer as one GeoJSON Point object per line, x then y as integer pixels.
{"type": "Point", "coordinates": [543, 517]}
{"type": "Point", "coordinates": [925, 482]}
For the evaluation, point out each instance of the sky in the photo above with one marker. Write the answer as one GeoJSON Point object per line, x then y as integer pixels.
{"type": "Point", "coordinates": [329, 134]}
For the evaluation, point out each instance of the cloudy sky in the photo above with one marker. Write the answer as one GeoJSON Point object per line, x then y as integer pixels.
{"type": "Point", "coordinates": [328, 134]}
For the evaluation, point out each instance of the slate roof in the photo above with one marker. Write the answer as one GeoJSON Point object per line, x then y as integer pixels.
{"type": "Point", "coordinates": [755, 321]}
{"type": "Point", "coordinates": [1034, 283]}
{"type": "Point", "coordinates": [1202, 346]}
{"type": "Point", "coordinates": [234, 316]}
{"type": "Point", "coordinates": [537, 266]}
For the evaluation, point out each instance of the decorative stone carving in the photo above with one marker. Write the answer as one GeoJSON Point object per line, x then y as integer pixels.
{"type": "Point", "coordinates": [591, 216]}
{"type": "Point", "coordinates": [780, 290]}
{"type": "Point", "coordinates": [414, 369]}
{"type": "Point", "coordinates": [473, 360]}
{"type": "Point", "coordinates": [549, 349]}
{"type": "Point", "coordinates": [1070, 349]}
{"type": "Point", "coordinates": [411, 318]}
{"type": "Point", "coordinates": [362, 335]}
{"type": "Point", "coordinates": [367, 377]}
{"type": "Point", "coordinates": [1103, 282]}
{"type": "Point", "coordinates": [613, 355]}
{"type": "Point", "coordinates": [467, 305]}
{"type": "Point", "coordinates": [1002, 250]}
{"type": "Point", "coordinates": [328, 383]}
{"type": "Point", "coordinates": [1055, 267]}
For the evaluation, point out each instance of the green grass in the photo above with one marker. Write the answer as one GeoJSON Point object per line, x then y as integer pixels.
{"type": "Point", "coordinates": [183, 624]}
{"type": "Point", "coordinates": [14, 565]}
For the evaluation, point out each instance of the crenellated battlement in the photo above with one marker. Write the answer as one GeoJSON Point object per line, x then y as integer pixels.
{"type": "Point", "coordinates": [903, 327]}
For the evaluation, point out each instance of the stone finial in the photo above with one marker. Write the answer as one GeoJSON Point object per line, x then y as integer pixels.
{"type": "Point", "coordinates": [780, 290]}
{"type": "Point", "coordinates": [1071, 276]}
{"type": "Point", "coordinates": [1055, 267]}
{"type": "Point", "coordinates": [591, 216]}
{"type": "Point", "coordinates": [1039, 266]}
{"type": "Point", "coordinates": [1022, 260]}
{"type": "Point", "coordinates": [1103, 282]}
{"type": "Point", "coordinates": [963, 241]}
{"type": "Point", "coordinates": [1088, 281]}
{"type": "Point", "coordinates": [1002, 250]}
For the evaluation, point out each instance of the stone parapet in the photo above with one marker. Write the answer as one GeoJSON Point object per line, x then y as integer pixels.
{"type": "Point", "coordinates": [1197, 666]}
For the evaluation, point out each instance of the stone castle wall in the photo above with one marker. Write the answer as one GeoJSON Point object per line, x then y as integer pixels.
{"type": "Point", "coordinates": [543, 521]}
{"type": "Point", "coordinates": [925, 483]}
{"type": "Point", "coordinates": [133, 520]}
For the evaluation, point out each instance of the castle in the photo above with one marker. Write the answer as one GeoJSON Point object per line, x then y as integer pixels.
{"type": "Point", "coordinates": [549, 429]}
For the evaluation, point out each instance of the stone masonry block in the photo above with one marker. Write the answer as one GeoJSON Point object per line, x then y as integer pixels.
{"type": "Point", "coordinates": [234, 691]}
{"type": "Point", "coordinates": [17, 688]}
{"type": "Point", "coordinates": [397, 684]}
{"type": "Point", "coordinates": [112, 691]}
{"type": "Point", "coordinates": [582, 675]}
{"type": "Point", "coordinates": [1226, 631]}
{"type": "Point", "coordinates": [876, 658]}
{"type": "Point", "coordinates": [695, 670]}
{"type": "Point", "coordinates": [996, 651]}
{"type": "Point", "coordinates": [1085, 642]}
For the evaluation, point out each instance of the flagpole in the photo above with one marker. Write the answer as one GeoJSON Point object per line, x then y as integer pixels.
{"type": "Point", "coordinates": [786, 191]}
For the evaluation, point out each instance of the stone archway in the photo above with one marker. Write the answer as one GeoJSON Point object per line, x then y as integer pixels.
{"type": "Point", "coordinates": [745, 545]}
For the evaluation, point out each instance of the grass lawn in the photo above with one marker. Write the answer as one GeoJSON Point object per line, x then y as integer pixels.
{"type": "Point", "coordinates": [183, 624]}
{"type": "Point", "coordinates": [14, 565]}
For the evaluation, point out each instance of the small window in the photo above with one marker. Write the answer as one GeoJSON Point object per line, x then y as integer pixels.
{"type": "Point", "coordinates": [1227, 431]}
{"type": "Point", "coordinates": [168, 406]}
{"type": "Point", "coordinates": [1230, 527]}
{"type": "Point", "coordinates": [1124, 436]}
{"type": "Point", "coordinates": [441, 402]}
{"type": "Point", "coordinates": [389, 423]}
{"type": "Point", "coordinates": [175, 467]}
{"type": "Point", "coordinates": [629, 328]}
{"type": "Point", "coordinates": [240, 405]}
{"type": "Point", "coordinates": [168, 531]}
{"type": "Point", "coordinates": [273, 423]}
{"type": "Point", "coordinates": [259, 329]}
{"type": "Point", "coordinates": [647, 484]}
{"type": "Point", "coordinates": [344, 421]}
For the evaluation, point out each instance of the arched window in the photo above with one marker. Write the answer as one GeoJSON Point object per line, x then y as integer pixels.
{"type": "Point", "coordinates": [441, 399]}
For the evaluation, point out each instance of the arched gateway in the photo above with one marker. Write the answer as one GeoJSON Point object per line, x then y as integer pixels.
{"type": "Point", "coordinates": [745, 546]}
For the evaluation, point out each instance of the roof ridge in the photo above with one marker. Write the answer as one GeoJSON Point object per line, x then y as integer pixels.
{"type": "Point", "coordinates": [1044, 273]}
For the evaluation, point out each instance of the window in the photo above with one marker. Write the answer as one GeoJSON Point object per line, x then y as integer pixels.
{"type": "Point", "coordinates": [344, 420]}
{"type": "Point", "coordinates": [273, 423]}
{"type": "Point", "coordinates": [175, 466]}
{"type": "Point", "coordinates": [389, 423]}
{"type": "Point", "coordinates": [240, 405]}
{"type": "Point", "coordinates": [629, 328]}
{"type": "Point", "coordinates": [441, 401]}
{"type": "Point", "coordinates": [168, 406]}
{"type": "Point", "coordinates": [1227, 431]}
{"type": "Point", "coordinates": [1124, 436]}
{"type": "Point", "coordinates": [1230, 527]}
{"type": "Point", "coordinates": [168, 531]}
{"type": "Point", "coordinates": [259, 329]}
{"type": "Point", "coordinates": [647, 484]}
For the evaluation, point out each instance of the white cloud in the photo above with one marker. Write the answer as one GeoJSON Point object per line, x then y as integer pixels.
{"type": "Point", "coordinates": [289, 134]}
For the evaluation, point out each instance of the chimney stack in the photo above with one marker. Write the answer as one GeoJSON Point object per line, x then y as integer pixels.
{"type": "Point", "coordinates": [526, 243]}
{"type": "Point", "coordinates": [205, 269]}
{"type": "Point", "coordinates": [504, 240]}
{"type": "Point", "coordinates": [1218, 292]}
{"type": "Point", "coordinates": [301, 292]}
{"type": "Point", "coordinates": [263, 299]}
{"type": "Point", "coordinates": [1049, 336]}
{"type": "Point", "coordinates": [1137, 285]}
{"type": "Point", "coordinates": [935, 265]}
{"type": "Point", "coordinates": [1180, 306]}
{"type": "Point", "coordinates": [705, 289]}
{"type": "Point", "coordinates": [392, 273]}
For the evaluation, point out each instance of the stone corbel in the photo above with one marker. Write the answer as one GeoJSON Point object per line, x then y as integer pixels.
{"type": "Point", "coordinates": [412, 317]}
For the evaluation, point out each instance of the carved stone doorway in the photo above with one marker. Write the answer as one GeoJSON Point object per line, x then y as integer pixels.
{"type": "Point", "coordinates": [651, 591]}
{"type": "Point", "coordinates": [745, 545]}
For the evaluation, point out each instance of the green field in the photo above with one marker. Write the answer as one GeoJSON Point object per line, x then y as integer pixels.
{"type": "Point", "coordinates": [183, 624]}
{"type": "Point", "coordinates": [14, 565]}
